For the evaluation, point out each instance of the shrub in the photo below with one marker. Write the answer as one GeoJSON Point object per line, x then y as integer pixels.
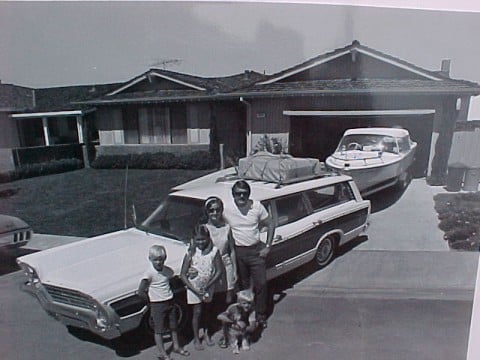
{"type": "Point", "coordinates": [199, 160]}
{"type": "Point", "coordinates": [39, 169]}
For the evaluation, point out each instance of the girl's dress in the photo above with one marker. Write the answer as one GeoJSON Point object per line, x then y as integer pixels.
{"type": "Point", "coordinates": [202, 266]}
{"type": "Point", "coordinates": [219, 236]}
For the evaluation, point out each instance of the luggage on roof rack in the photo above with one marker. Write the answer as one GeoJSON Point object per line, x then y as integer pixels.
{"type": "Point", "coordinates": [280, 169]}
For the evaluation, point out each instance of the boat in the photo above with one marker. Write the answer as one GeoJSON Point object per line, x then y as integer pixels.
{"type": "Point", "coordinates": [376, 158]}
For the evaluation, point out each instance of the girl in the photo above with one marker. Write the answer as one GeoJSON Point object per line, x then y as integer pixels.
{"type": "Point", "coordinates": [201, 269]}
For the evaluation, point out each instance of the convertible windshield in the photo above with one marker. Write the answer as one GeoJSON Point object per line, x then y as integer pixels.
{"type": "Point", "coordinates": [369, 143]}
{"type": "Point", "coordinates": [174, 218]}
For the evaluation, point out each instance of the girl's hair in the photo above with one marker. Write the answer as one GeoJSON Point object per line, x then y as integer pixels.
{"type": "Point", "coordinates": [157, 251]}
{"type": "Point", "coordinates": [201, 230]}
{"type": "Point", "coordinates": [213, 200]}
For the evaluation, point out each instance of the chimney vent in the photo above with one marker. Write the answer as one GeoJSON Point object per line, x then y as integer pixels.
{"type": "Point", "coordinates": [446, 67]}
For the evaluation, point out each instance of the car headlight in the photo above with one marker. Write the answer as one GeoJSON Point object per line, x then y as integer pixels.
{"type": "Point", "coordinates": [102, 318]}
{"type": "Point", "coordinates": [30, 273]}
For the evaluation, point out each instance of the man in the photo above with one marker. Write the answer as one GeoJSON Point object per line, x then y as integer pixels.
{"type": "Point", "coordinates": [246, 217]}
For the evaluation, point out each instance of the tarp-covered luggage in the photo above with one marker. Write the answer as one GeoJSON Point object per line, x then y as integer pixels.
{"type": "Point", "coordinates": [280, 169]}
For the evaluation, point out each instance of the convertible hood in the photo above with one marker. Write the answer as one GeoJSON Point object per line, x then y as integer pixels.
{"type": "Point", "coordinates": [99, 266]}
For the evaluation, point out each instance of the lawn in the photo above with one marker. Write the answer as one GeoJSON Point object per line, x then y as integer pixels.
{"type": "Point", "coordinates": [88, 202]}
{"type": "Point", "coordinates": [459, 216]}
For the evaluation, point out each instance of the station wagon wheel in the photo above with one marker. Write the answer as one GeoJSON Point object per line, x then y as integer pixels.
{"type": "Point", "coordinates": [325, 251]}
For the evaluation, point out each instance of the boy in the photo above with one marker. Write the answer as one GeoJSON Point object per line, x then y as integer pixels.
{"type": "Point", "coordinates": [239, 321]}
{"type": "Point", "coordinates": [156, 280]}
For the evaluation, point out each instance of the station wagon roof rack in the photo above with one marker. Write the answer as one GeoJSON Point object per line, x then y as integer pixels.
{"type": "Point", "coordinates": [323, 172]}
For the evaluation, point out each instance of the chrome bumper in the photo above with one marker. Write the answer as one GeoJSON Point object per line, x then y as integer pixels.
{"type": "Point", "coordinates": [74, 316]}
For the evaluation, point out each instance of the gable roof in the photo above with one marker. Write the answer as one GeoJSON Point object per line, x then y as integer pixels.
{"type": "Point", "coordinates": [353, 48]}
{"type": "Point", "coordinates": [289, 82]}
{"type": "Point", "coordinates": [191, 87]}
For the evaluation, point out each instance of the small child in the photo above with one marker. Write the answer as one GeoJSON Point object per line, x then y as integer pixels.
{"type": "Point", "coordinates": [239, 321]}
{"type": "Point", "coordinates": [156, 280]}
{"type": "Point", "coordinates": [201, 268]}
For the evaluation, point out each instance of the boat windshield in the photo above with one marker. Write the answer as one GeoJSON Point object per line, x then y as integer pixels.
{"type": "Point", "coordinates": [371, 142]}
{"type": "Point", "coordinates": [174, 218]}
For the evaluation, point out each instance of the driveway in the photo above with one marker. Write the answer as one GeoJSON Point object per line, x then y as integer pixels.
{"type": "Point", "coordinates": [409, 223]}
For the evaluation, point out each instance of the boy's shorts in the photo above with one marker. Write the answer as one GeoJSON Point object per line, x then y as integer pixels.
{"type": "Point", "coordinates": [161, 310]}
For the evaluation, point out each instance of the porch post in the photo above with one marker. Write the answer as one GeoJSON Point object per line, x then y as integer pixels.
{"type": "Point", "coordinates": [81, 140]}
{"type": "Point", "coordinates": [80, 129]}
{"type": "Point", "coordinates": [46, 134]}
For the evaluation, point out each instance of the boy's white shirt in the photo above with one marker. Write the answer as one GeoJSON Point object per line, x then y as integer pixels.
{"type": "Point", "coordinates": [159, 283]}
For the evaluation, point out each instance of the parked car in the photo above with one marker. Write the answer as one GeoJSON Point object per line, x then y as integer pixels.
{"type": "Point", "coordinates": [14, 232]}
{"type": "Point", "coordinates": [92, 283]}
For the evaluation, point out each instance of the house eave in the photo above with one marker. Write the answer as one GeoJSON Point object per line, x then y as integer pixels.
{"type": "Point", "coordinates": [47, 114]}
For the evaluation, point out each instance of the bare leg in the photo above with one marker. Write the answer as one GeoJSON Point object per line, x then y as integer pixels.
{"type": "Point", "coordinates": [160, 346]}
{"type": "Point", "coordinates": [197, 312]}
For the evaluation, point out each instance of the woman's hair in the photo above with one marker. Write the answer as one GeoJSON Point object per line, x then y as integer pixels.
{"type": "Point", "coordinates": [213, 200]}
{"type": "Point", "coordinates": [157, 251]}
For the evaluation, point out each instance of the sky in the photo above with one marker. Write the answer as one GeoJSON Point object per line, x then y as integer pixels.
{"type": "Point", "coordinates": [45, 44]}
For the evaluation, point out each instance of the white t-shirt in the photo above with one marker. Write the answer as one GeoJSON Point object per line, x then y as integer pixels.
{"type": "Point", "coordinates": [245, 228]}
{"type": "Point", "coordinates": [159, 289]}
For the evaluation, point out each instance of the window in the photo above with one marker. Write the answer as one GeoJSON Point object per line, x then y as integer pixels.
{"type": "Point", "coordinates": [154, 125]}
{"type": "Point", "coordinates": [327, 196]}
{"type": "Point", "coordinates": [290, 208]}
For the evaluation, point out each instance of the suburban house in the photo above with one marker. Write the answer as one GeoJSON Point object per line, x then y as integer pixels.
{"type": "Point", "coordinates": [32, 118]}
{"type": "Point", "coordinates": [306, 108]}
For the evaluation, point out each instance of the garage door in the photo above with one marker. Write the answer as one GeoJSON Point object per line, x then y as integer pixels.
{"type": "Point", "coordinates": [318, 136]}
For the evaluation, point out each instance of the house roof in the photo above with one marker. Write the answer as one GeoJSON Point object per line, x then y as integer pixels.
{"type": "Point", "coordinates": [422, 80]}
{"type": "Point", "coordinates": [191, 87]}
{"type": "Point", "coordinates": [362, 86]}
{"type": "Point", "coordinates": [15, 98]}
{"type": "Point", "coordinates": [68, 97]}
{"type": "Point", "coordinates": [19, 99]}
{"type": "Point", "coordinates": [159, 85]}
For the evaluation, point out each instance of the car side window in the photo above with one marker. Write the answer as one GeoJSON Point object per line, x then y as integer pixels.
{"type": "Point", "coordinates": [331, 195]}
{"type": "Point", "coordinates": [290, 208]}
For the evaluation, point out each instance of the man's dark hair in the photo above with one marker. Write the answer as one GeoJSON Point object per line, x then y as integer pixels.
{"type": "Point", "coordinates": [241, 185]}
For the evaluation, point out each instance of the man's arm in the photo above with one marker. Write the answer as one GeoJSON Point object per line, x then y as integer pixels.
{"type": "Point", "coordinates": [268, 222]}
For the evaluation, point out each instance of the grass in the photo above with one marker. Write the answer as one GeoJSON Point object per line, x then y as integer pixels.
{"type": "Point", "coordinates": [88, 202]}
{"type": "Point", "coordinates": [459, 216]}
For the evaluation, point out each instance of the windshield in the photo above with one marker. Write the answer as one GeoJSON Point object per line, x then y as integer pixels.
{"type": "Point", "coordinates": [369, 143]}
{"type": "Point", "coordinates": [174, 218]}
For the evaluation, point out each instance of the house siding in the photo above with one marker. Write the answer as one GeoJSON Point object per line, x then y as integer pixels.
{"type": "Point", "coordinates": [9, 133]}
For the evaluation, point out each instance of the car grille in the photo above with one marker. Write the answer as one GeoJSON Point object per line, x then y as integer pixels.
{"type": "Point", "coordinates": [21, 236]}
{"type": "Point", "coordinates": [70, 297]}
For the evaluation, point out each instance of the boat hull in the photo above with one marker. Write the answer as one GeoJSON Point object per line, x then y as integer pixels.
{"type": "Point", "coordinates": [372, 174]}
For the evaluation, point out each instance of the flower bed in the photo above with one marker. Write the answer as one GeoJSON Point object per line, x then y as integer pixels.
{"type": "Point", "coordinates": [459, 216]}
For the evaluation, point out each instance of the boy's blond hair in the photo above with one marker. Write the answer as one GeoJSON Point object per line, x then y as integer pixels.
{"type": "Point", "coordinates": [157, 251]}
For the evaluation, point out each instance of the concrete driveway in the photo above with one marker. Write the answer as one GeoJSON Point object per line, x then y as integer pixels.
{"type": "Point", "coordinates": [409, 223]}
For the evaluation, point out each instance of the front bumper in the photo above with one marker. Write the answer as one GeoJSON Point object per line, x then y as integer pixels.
{"type": "Point", "coordinates": [75, 316]}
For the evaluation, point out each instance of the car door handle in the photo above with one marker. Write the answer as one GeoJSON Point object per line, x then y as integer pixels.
{"type": "Point", "coordinates": [317, 223]}
{"type": "Point", "coordinates": [278, 238]}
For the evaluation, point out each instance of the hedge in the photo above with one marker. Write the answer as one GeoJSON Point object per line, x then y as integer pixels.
{"type": "Point", "coordinates": [198, 160]}
{"type": "Point", "coordinates": [39, 169]}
